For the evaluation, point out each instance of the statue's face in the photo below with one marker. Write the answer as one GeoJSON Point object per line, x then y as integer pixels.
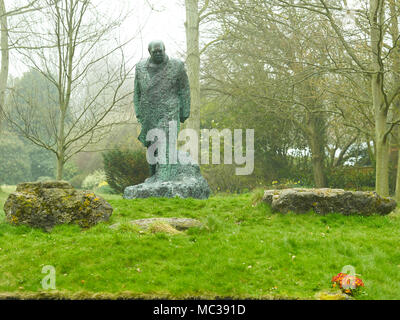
{"type": "Point", "coordinates": [157, 52]}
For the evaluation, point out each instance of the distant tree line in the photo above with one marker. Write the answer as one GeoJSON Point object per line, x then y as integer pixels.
{"type": "Point", "coordinates": [319, 81]}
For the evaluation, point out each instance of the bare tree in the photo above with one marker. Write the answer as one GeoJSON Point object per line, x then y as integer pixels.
{"type": "Point", "coordinates": [370, 36]}
{"type": "Point", "coordinates": [266, 62]}
{"type": "Point", "coordinates": [198, 12]}
{"type": "Point", "coordinates": [75, 49]}
{"type": "Point", "coordinates": [368, 47]}
{"type": "Point", "coordinates": [193, 60]}
{"type": "Point", "coordinates": [5, 47]}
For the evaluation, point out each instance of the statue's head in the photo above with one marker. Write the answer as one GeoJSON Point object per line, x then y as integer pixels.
{"type": "Point", "coordinates": [157, 51]}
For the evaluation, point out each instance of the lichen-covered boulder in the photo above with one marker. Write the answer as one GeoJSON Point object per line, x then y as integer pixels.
{"type": "Point", "coordinates": [170, 181]}
{"type": "Point", "coordinates": [322, 201]}
{"type": "Point", "coordinates": [47, 204]}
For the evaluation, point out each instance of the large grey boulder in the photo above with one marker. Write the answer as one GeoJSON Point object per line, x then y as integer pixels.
{"type": "Point", "coordinates": [322, 201]}
{"type": "Point", "coordinates": [47, 204]}
{"type": "Point", "coordinates": [181, 180]}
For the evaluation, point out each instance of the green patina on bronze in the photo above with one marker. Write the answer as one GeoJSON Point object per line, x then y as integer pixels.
{"type": "Point", "coordinates": [162, 96]}
{"type": "Point", "coordinates": [162, 92]}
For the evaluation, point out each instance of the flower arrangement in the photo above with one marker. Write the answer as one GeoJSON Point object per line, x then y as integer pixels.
{"type": "Point", "coordinates": [349, 284]}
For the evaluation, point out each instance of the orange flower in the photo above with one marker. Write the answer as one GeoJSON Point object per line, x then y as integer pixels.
{"type": "Point", "coordinates": [348, 280]}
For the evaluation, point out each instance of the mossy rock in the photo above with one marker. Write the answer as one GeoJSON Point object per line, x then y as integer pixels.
{"type": "Point", "coordinates": [325, 200]}
{"type": "Point", "coordinates": [47, 204]}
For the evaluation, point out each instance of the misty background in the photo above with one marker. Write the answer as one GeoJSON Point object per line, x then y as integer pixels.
{"type": "Point", "coordinates": [318, 81]}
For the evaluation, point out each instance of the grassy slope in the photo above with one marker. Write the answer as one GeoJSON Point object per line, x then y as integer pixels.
{"type": "Point", "coordinates": [245, 252]}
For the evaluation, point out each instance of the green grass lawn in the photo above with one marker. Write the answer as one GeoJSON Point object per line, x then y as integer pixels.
{"type": "Point", "coordinates": [244, 251]}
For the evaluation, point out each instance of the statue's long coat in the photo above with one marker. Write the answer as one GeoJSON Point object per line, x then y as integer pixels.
{"type": "Point", "coordinates": [161, 97]}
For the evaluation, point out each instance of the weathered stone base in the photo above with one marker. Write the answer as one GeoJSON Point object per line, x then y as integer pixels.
{"type": "Point", "coordinates": [170, 181]}
{"type": "Point", "coordinates": [191, 188]}
{"type": "Point", "coordinates": [322, 201]}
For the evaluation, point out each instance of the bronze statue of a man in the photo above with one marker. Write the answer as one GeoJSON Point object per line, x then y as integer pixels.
{"type": "Point", "coordinates": [162, 102]}
{"type": "Point", "coordinates": [161, 94]}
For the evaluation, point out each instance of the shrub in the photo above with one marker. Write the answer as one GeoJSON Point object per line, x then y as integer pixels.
{"type": "Point", "coordinates": [94, 179]}
{"type": "Point", "coordinates": [223, 178]}
{"type": "Point", "coordinates": [125, 168]}
{"type": "Point", "coordinates": [288, 184]}
{"type": "Point", "coordinates": [358, 178]}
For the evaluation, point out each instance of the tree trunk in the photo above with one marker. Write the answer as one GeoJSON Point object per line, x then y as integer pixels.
{"type": "Point", "coordinates": [61, 145]}
{"type": "Point", "coordinates": [382, 155]}
{"type": "Point", "coordinates": [318, 169]}
{"type": "Point", "coordinates": [60, 167]}
{"type": "Point", "coordinates": [394, 30]}
{"type": "Point", "coordinates": [381, 139]}
{"type": "Point", "coordinates": [316, 137]}
{"type": "Point", "coordinates": [193, 61]}
{"type": "Point", "coordinates": [5, 60]}
{"type": "Point", "coordinates": [381, 109]}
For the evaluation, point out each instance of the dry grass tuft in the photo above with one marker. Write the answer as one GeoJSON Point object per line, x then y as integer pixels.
{"type": "Point", "coordinates": [161, 227]}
